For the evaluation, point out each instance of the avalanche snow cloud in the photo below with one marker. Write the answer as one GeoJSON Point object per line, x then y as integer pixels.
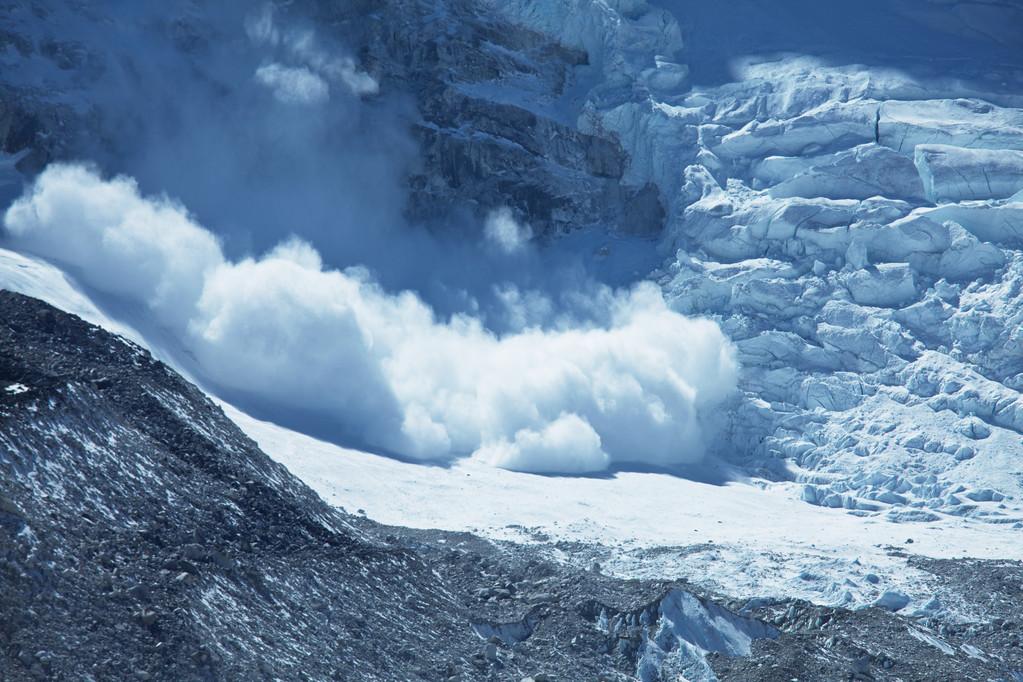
{"type": "Point", "coordinates": [637, 386]}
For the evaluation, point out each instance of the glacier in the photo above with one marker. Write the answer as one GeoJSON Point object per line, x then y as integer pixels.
{"type": "Point", "coordinates": [856, 230]}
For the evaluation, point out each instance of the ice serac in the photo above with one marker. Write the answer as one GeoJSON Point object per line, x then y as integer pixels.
{"type": "Point", "coordinates": [966, 123]}
{"type": "Point", "coordinates": [853, 228]}
{"type": "Point", "coordinates": [952, 174]}
{"type": "Point", "coordinates": [680, 630]}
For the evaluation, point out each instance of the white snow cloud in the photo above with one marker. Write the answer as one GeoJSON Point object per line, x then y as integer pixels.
{"type": "Point", "coordinates": [523, 309]}
{"type": "Point", "coordinates": [566, 445]}
{"type": "Point", "coordinates": [293, 85]}
{"type": "Point", "coordinates": [145, 249]}
{"type": "Point", "coordinates": [503, 231]}
{"type": "Point", "coordinates": [308, 81]}
{"type": "Point", "coordinates": [358, 82]}
{"type": "Point", "coordinates": [288, 332]}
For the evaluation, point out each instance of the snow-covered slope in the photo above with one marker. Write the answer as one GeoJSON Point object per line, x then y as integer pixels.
{"type": "Point", "coordinates": [635, 525]}
{"type": "Point", "coordinates": [851, 215]}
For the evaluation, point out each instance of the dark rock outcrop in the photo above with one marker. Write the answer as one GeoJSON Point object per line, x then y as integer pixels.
{"type": "Point", "coordinates": [145, 535]}
{"type": "Point", "coordinates": [484, 96]}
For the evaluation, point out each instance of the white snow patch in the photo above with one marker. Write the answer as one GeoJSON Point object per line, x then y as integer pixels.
{"type": "Point", "coordinates": [307, 81]}
{"type": "Point", "coordinates": [936, 642]}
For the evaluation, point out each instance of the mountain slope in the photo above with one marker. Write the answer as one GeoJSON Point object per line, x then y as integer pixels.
{"type": "Point", "coordinates": [145, 532]}
{"type": "Point", "coordinates": [853, 227]}
{"type": "Point", "coordinates": [145, 537]}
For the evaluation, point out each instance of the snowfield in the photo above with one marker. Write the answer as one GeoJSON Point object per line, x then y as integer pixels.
{"type": "Point", "coordinates": [747, 538]}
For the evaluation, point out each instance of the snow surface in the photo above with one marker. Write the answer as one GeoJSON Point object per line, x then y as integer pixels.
{"type": "Point", "coordinates": [749, 538]}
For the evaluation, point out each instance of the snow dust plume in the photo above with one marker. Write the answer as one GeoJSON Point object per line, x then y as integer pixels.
{"type": "Point", "coordinates": [303, 46]}
{"type": "Point", "coordinates": [250, 113]}
{"type": "Point", "coordinates": [633, 386]}
{"type": "Point", "coordinates": [504, 232]}
{"type": "Point", "coordinates": [293, 85]}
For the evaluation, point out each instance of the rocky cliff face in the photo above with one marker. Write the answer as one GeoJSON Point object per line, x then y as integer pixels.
{"type": "Point", "coordinates": [491, 100]}
{"type": "Point", "coordinates": [492, 130]}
